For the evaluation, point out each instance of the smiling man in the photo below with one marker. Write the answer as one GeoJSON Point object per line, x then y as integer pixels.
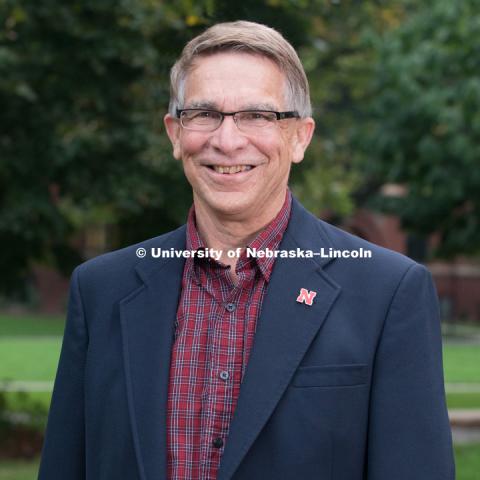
{"type": "Point", "coordinates": [236, 140]}
{"type": "Point", "coordinates": [248, 367]}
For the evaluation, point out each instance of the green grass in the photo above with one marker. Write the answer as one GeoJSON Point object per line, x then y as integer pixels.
{"type": "Point", "coordinates": [30, 347]}
{"type": "Point", "coordinates": [16, 400]}
{"type": "Point", "coordinates": [461, 363]}
{"type": "Point", "coordinates": [31, 325]}
{"type": "Point", "coordinates": [467, 459]}
{"type": "Point", "coordinates": [463, 400]}
{"type": "Point", "coordinates": [18, 469]}
{"type": "Point", "coordinates": [29, 358]}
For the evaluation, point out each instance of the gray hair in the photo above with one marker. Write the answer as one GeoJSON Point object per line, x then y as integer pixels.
{"type": "Point", "coordinates": [249, 37]}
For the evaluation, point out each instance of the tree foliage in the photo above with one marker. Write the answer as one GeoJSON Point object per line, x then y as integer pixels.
{"type": "Point", "coordinates": [83, 89]}
{"type": "Point", "coordinates": [423, 128]}
{"type": "Point", "coordinates": [339, 64]}
{"type": "Point", "coordinates": [72, 126]}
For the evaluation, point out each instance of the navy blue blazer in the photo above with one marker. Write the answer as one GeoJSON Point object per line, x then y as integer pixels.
{"type": "Point", "coordinates": [350, 388]}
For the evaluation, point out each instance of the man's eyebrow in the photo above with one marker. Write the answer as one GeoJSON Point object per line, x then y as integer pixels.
{"type": "Point", "coordinates": [208, 105]}
{"type": "Point", "coordinates": [261, 106]}
{"type": "Point", "coordinates": [202, 104]}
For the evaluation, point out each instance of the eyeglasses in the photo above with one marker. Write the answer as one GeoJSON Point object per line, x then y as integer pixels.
{"type": "Point", "coordinates": [248, 121]}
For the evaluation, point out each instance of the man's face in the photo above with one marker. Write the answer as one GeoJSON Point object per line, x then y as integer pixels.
{"type": "Point", "coordinates": [229, 82]}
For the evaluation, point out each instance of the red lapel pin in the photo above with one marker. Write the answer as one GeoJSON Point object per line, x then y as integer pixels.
{"type": "Point", "coordinates": [306, 296]}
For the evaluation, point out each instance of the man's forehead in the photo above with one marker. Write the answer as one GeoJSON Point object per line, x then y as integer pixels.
{"type": "Point", "coordinates": [239, 80]}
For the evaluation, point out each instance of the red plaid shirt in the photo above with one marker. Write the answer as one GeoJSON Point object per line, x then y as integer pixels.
{"type": "Point", "coordinates": [214, 333]}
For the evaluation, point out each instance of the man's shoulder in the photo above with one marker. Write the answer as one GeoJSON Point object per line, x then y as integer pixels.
{"type": "Point", "coordinates": [346, 241]}
{"type": "Point", "coordinates": [350, 259]}
{"type": "Point", "coordinates": [371, 268]}
{"type": "Point", "coordinates": [339, 243]}
{"type": "Point", "coordinates": [122, 262]}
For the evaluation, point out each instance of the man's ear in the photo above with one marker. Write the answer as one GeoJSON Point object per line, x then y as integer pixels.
{"type": "Point", "coordinates": [302, 137]}
{"type": "Point", "coordinates": [173, 131]}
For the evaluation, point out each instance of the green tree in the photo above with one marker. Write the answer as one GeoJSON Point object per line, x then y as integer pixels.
{"type": "Point", "coordinates": [75, 125]}
{"type": "Point", "coordinates": [339, 62]}
{"type": "Point", "coordinates": [83, 89]}
{"type": "Point", "coordinates": [422, 128]}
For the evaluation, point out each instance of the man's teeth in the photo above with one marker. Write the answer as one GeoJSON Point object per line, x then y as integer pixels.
{"type": "Point", "coordinates": [231, 169]}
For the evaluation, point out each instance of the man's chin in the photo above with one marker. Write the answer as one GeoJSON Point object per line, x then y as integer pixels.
{"type": "Point", "coordinates": [228, 203]}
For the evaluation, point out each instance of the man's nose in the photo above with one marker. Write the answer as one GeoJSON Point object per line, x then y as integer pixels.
{"type": "Point", "coordinates": [227, 137]}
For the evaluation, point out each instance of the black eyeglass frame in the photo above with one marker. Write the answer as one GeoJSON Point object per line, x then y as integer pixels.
{"type": "Point", "coordinates": [279, 115]}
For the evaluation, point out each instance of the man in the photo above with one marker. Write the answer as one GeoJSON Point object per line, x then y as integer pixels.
{"type": "Point", "coordinates": [232, 365]}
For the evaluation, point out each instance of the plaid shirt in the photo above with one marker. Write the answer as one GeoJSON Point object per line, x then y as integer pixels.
{"type": "Point", "coordinates": [215, 327]}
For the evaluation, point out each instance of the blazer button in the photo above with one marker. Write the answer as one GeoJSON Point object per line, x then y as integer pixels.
{"type": "Point", "coordinates": [218, 443]}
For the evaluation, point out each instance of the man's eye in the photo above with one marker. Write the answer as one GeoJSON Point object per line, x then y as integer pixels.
{"type": "Point", "coordinates": [204, 116]}
{"type": "Point", "coordinates": [199, 114]}
{"type": "Point", "coordinates": [257, 116]}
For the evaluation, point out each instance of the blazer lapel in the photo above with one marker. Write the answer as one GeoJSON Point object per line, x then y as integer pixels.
{"type": "Point", "coordinates": [147, 320]}
{"type": "Point", "coordinates": [285, 330]}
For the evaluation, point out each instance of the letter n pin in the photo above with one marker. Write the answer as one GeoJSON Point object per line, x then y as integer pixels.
{"type": "Point", "coordinates": [306, 296]}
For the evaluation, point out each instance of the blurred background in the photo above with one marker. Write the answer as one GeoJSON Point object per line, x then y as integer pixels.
{"type": "Point", "coordinates": [85, 165]}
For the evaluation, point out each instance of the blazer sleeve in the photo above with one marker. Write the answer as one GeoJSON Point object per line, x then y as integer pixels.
{"type": "Point", "coordinates": [409, 430]}
{"type": "Point", "coordinates": [63, 454]}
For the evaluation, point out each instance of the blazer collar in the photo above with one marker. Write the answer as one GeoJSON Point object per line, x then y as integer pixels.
{"type": "Point", "coordinates": [304, 229]}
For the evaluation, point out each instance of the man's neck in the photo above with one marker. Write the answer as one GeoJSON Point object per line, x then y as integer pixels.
{"type": "Point", "coordinates": [230, 232]}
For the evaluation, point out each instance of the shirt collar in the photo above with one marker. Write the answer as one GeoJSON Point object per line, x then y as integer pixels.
{"type": "Point", "coordinates": [269, 238]}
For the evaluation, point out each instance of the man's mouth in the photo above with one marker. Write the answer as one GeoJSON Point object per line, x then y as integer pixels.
{"type": "Point", "coordinates": [230, 169]}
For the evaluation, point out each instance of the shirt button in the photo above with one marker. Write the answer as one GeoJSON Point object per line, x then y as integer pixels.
{"type": "Point", "coordinates": [217, 443]}
{"type": "Point", "coordinates": [230, 307]}
{"type": "Point", "coordinates": [224, 375]}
